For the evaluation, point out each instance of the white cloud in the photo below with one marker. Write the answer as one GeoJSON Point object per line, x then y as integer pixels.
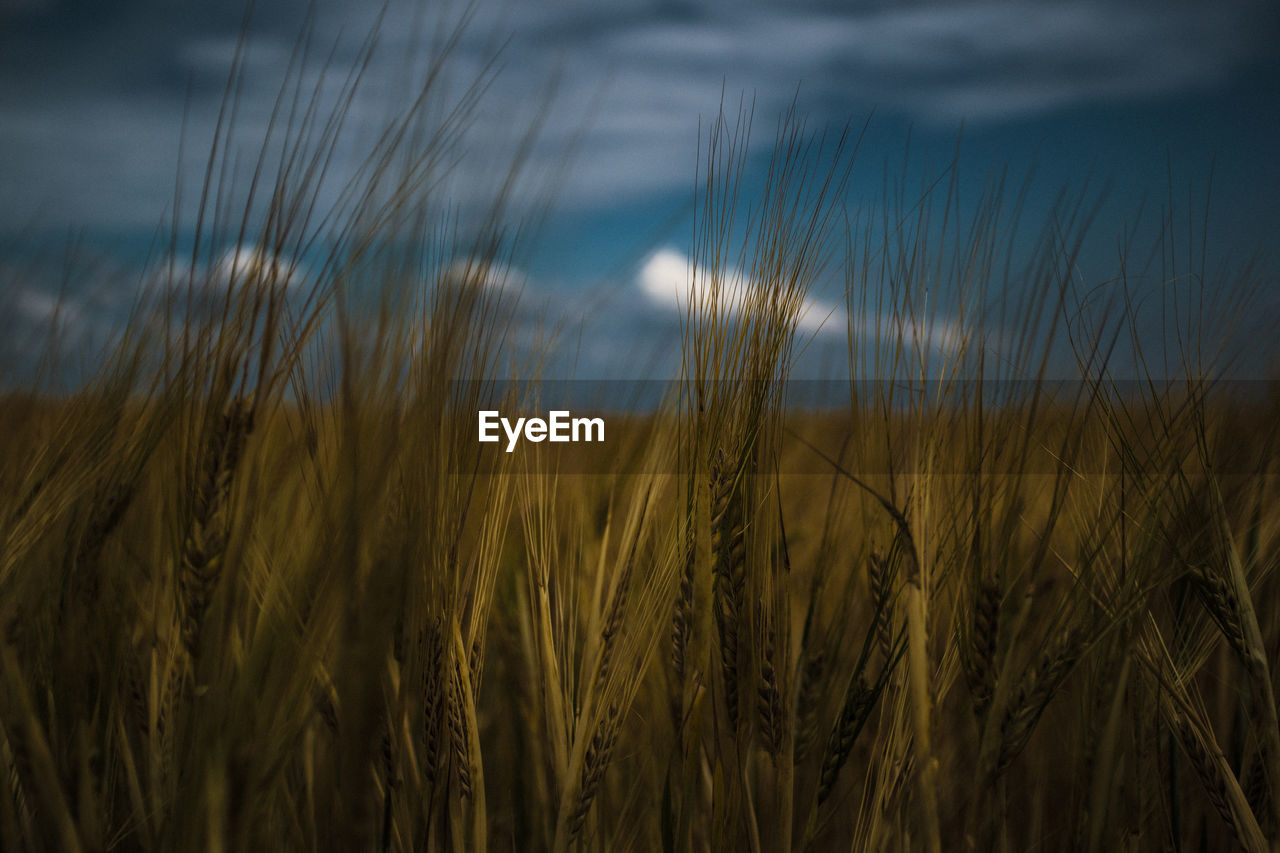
{"type": "Point", "coordinates": [670, 280]}
{"type": "Point", "coordinates": [493, 276]}
{"type": "Point", "coordinates": [253, 264]}
{"type": "Point", "coordinates": [41, 309]}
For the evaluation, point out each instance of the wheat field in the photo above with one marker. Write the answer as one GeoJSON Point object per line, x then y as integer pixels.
{"type": "Point", "coordinates": [262, 589]}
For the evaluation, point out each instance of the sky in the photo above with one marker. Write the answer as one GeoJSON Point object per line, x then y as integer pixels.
{"type": "Point", "coordinates": [106, 105]}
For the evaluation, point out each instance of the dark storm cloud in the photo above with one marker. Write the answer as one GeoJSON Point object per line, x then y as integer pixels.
{"type": "Point", "coordinates": [92, 93]}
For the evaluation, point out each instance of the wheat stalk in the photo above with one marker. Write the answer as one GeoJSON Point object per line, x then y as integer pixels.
{"type": "Point", "coordinates": [206, 538]}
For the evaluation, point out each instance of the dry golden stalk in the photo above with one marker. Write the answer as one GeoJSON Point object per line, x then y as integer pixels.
{"type": "Point", "coordinates": [206, 538]}
{"type": "Point", "coordinates": [137, 689]}
{"type": "Point", "coordinates": [42, 481]}
{"type": "Point", "coordinates": [682, 620]}
{"type": "Point", "coordinates": [475, 660]}
{"type": "Point", "coordinates": [1257, 792]}
{"type": "Point", "coordinates": [901, 776]}
{"type": "Point", "coordinates": [858, 704]}
{"type": "Point", "coordinates": [1033, 695]}
{"type": "Point", "coordinates": [807, 703]}
{"type": "Point", "coordinates": [983, 642]}
{"type": "Point", "coordinates": [169, 693]}
{"type": "Point", "coordinates": [1223, 606]}
{"type": "Point", "coordinates": [1205, 769]}
{"type": "Point", "coordinates": [728, 545]}
{"type": "Point", "coordinates": [769, 697]}
{"type": "Point", "coordinates": [1254, 655]}
{"type": "Point", "coordinates": [599, 752]}
{"type": "Point", "coordinates": [105, 518]}
{"type": "Point", "coordinates": [1219, 784]}
{"type": "Point", "coordinates": [921, 687]}
{"type": "Point", "coordinates": [433, 708]}
{"type": "Point", "coordinates": [459, 737]}
{"type": "Point", "coordinates": [613, 621]}
{"type": "Point", "coordinates": [882, 598]}
{"type": "Point", "coordinates": [32, 758]}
